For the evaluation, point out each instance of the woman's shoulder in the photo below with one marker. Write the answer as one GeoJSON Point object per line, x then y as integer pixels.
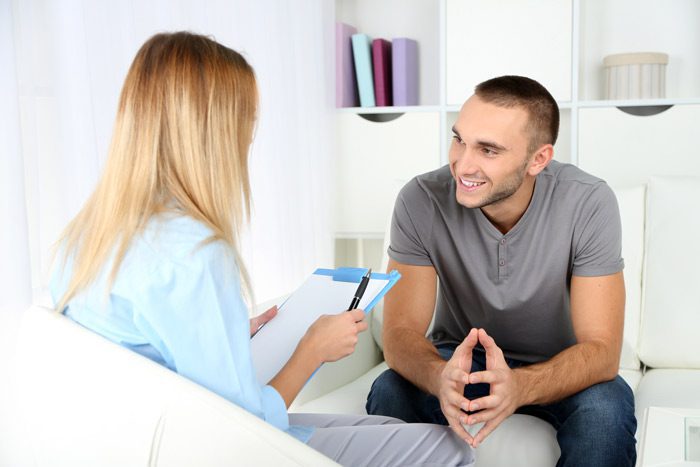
{"type": "Point", "coordinates": [180, 240]}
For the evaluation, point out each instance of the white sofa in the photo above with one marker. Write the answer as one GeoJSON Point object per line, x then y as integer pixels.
{"type": "Point", "coordinates": [661, 352]}
{"type": "Point", "coordinates": [84, 401]}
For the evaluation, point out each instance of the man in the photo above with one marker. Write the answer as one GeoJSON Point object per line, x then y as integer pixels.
{"type": "Point", "coordinates": [530, 304]}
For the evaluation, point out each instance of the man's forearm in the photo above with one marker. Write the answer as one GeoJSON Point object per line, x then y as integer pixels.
{"type": "Point", "coordinates": [570, 371]}
{"type": "Point", "coordinates": [414, 357]}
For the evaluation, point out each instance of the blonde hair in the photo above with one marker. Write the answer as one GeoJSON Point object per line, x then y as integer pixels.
{"type": "Point", "coordinates": [182, 134]}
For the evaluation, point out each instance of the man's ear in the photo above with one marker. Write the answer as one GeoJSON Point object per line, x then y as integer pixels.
{"type": "Point", "coordinates": [541, 159]}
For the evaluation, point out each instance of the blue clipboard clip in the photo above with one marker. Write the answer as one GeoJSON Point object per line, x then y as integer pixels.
{"type": "Point", "coordinates": [354, 275]}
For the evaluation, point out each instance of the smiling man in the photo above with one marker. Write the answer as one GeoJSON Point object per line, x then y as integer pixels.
{"type": "Point", "coordinates": [529, 309]}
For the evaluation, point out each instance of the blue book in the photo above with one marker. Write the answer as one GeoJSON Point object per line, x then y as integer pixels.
{"type": "Point", "coordinates": [361, 50]}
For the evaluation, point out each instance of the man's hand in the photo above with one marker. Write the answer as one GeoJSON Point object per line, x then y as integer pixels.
{"type": "Point", "coordinates": [261, 319]}
{"type": "Point", "coordinates": [502, 400]}
{"type": "Point", "coordinates": [453, 378]}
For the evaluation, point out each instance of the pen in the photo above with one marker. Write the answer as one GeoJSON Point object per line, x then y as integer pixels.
{"type": "Point", "coordinates": [360, 290]}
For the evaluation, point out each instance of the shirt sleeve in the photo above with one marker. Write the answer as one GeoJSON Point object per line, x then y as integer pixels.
{"type": "Point", "coordinates": [413, 212]}
{"type": "Point", "coordinates": [194, 315]}
{"type": "Point", "coordinates": [598, 250]}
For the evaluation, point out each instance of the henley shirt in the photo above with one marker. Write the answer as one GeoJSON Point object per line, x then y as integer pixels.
{"type": "Point", "coordinates": [516, 286]}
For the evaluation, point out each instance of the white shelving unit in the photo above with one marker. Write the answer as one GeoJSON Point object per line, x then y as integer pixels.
{"type": "Point", "coordinates": [561, 43]}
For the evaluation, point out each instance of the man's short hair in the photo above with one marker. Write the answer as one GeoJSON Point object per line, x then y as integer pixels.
{"type": "Point", "coordinates": [543, 111]}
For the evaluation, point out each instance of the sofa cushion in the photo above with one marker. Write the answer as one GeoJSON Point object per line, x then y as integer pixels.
{"type": "Point", "coordinates": [631, 203]}
{"type": "Point", "coordinates": [631, 377]}
{"type": "Point", "coordinates": [533, 440]}
{"type": "Point", "coordinates": [348, 399]}
{"type": "Point", "coordinates": [671, 318]}
{"type": "Point", "coordinates": [667, 388]}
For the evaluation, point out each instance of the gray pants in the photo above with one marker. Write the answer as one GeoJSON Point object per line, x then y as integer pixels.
{"type": "Point", "coordinates": [371, 440]}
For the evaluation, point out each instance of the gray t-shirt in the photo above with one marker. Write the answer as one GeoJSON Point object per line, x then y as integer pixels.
{"type": "Point", "coordinates": [516, 286]}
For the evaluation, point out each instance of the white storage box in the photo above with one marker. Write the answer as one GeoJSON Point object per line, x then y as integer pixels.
{"type": "Point", "coordinates": [639, 75]}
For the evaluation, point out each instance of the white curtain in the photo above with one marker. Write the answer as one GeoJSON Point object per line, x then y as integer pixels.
{"type": "Point", "coordinates": [63, 63]}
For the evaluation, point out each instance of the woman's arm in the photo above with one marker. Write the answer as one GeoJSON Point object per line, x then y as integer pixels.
{"type": "Point", "coordinates": [330, 338]}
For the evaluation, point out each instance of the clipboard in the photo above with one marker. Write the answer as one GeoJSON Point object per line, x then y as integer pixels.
{"type": "Point", "coordinates": [326, 291]}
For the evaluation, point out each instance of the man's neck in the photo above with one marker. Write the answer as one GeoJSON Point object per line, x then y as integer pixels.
{"type": "Point", "coordinates": [506, 213]}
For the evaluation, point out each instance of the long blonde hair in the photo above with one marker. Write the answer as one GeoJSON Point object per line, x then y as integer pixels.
{"type": "Point", "coordinates": [182, 134]}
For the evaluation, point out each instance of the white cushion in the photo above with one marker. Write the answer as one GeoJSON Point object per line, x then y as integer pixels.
{"type": "Point", "coordinates": [521, 440]}
{"type": "Point", "coordinates": [670, 327]}
{"type": "Point", "coordinates": [668, 388]}
{"type": "Point", "coordinates": [85, 401]}
{"type": "Point", "coordinates": [631, 202]}
{"type": "Point", "coordinates": [631, 377]}
{"type": "Point", "coordinates": [349, 399]}
{"type": "Point", "coordinates": [334, 375]}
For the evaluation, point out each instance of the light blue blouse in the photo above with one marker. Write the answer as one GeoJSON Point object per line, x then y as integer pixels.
{"type": "Point", "coordinates": [178, 302]}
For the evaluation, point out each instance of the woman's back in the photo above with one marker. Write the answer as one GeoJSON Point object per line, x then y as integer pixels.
{"type": "Point", "coordinates": [176, 299]}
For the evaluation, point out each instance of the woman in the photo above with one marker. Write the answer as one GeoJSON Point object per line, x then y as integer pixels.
{"type": "Point", "coordinates": [152, 260]}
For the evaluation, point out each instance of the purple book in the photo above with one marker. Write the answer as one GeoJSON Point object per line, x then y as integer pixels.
{"type": "Point", "coordinates": [404, 56]}
{"type": "Point", "coordinates": [345, 85]}
{"type": "Point", "coordinates": [381, 64]}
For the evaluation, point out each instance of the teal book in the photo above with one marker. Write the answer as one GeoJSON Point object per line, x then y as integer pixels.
{"type": "Point", "coordinates": [361, 50]}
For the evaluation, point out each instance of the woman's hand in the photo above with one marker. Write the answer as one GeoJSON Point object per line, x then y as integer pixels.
{"type": "Point", "coordinates": [261, 319]}
{"type": "Point", "coordinates": [332, 337]}
{"type": "Point", "coordinates": [329, 338]}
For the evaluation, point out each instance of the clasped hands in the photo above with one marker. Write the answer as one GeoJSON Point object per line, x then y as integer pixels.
{"type": "Point", "coordinates": [502, 400]}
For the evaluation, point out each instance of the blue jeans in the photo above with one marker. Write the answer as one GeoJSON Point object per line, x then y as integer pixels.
{"type": "Point", "coordinates": [595, 427]}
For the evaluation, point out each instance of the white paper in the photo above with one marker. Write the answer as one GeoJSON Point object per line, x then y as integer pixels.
{"type": "Point", "coordinates": [320, 295]}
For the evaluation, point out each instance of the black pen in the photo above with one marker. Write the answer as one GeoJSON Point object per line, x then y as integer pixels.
{"type": "Point", "coordinates": [360, 290]}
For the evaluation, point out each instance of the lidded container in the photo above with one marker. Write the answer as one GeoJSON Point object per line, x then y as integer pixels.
{"type": "Point", "coordinates": [640, 75]}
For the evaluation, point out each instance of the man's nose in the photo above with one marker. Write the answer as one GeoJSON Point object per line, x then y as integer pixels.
{"type": "Point", "coordinates": [466, 161]}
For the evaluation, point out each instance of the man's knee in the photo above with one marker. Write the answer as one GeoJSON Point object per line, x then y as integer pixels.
{"type": "Point", "coordinates": [610, 404]}
{"type": "Point", "coordinates": [601, 420]}
{"type": "Point", "coordinates": [394, 396]}
{"type": "Point", "coordinates": [387, 394]}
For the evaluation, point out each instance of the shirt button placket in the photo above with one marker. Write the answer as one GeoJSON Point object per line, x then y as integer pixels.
{"type": "Point", "coordinates": [502, 258]}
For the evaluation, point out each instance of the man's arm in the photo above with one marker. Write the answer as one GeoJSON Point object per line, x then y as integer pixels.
{"type": "Point", "coordinates": [598, 318]}
{"type": "Point", "coordinates": [597, 315]}
{"type": "Point", "coordinates": [408, 310]}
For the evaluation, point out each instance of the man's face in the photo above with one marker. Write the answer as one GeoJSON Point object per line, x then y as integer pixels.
{"type": "Point", "coordinates": [488, 155]}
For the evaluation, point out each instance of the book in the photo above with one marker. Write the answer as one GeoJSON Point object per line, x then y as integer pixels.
{"type": "Point", "coordinates": [326, 291]}
{"type": "Point", "coordinates": [363, 69]}
{"type": "Point", "coordinates": [404, 54]}
{"type": "Point", "coordinates": [381, 63]}
{"type": "Point", "coordinates": [345, 84]}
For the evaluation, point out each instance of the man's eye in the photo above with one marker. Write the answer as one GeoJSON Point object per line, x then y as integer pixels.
{"type": "Point", "coordinates": [458, 139]}
{"type": "Point", "coordinates": [488, 151]}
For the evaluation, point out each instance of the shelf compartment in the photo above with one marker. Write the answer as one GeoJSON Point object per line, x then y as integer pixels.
{"type": "Point", "coordinates": [626, 150]}
{"type": "Point", "coordinates": [374, 160]}
{"type": "Point", "coordinates": [485, 39]}
{"type": "Point", "coordinates": [415, 19]}
{"type": "Point", "coordinates": [624, 26]}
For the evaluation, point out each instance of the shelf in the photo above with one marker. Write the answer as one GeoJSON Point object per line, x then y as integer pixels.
{"type": "Point", "coordinates": [424, 108]}
{"type": "Point", "coordinates": [389, 19]}
{"type": "Point", "coordinates": [638, 103]}
{"type": "Point", "coordinates": [624, 150]}
{"type": "Point", "coordinates": [457, 108]}
{"type": "Point", "coordinates": [389, 110]}
{"type": "Point", "coordinates": [622, 26]}
{"type": "Point", "coordinates": [462, 43]}
{"type": "Point", "coordinates": [374, 161]}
